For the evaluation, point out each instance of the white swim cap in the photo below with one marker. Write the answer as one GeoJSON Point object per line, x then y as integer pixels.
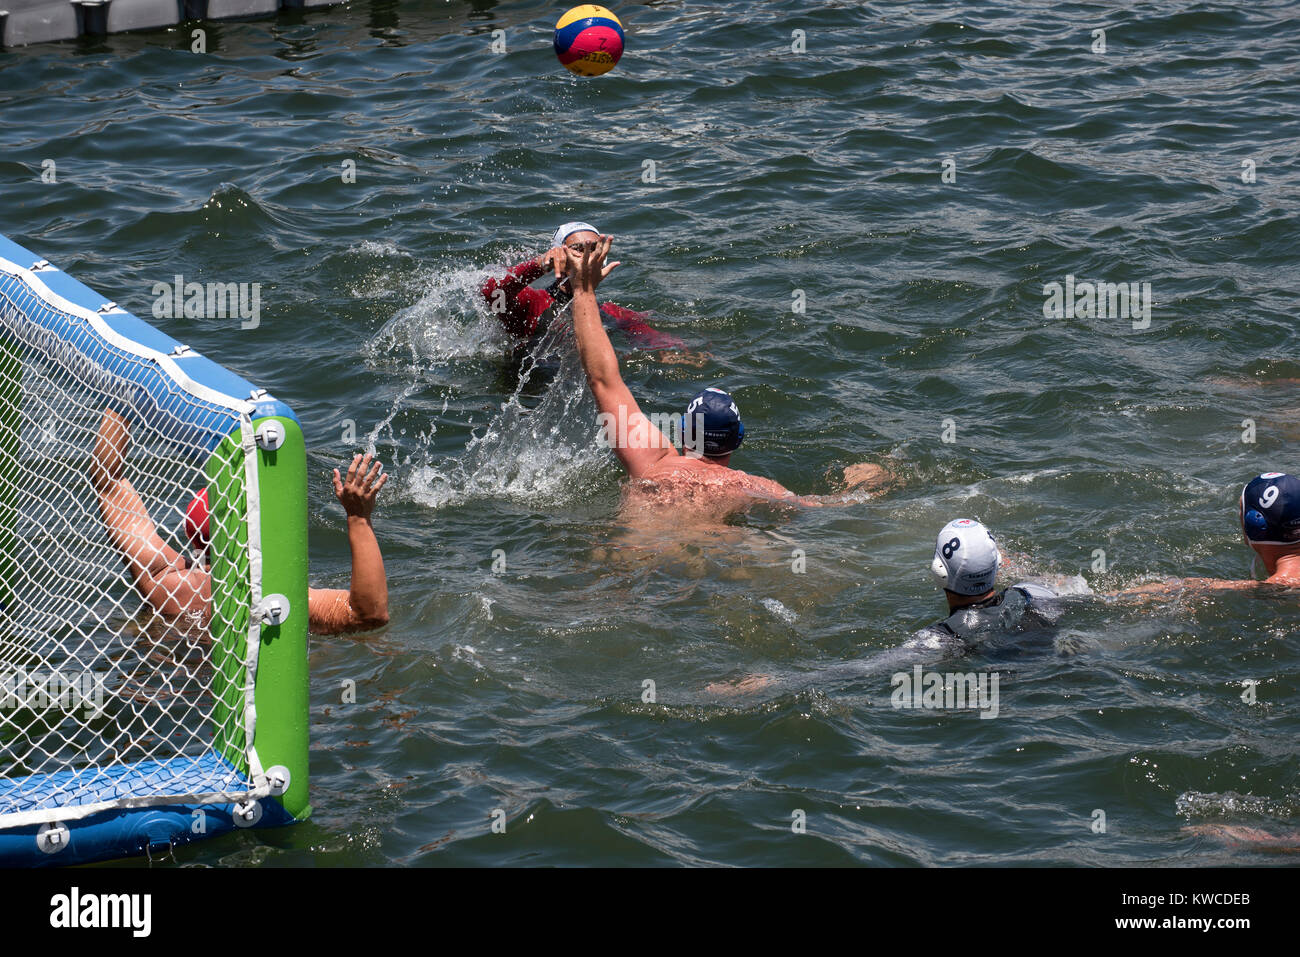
{"type": "Point", "coordinates": [568, 229]}
{"type": "Point", "coordinates": [965, 558]}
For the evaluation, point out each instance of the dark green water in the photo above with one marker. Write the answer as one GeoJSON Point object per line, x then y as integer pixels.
{"type": "Point", "coordinates": [776, 172]}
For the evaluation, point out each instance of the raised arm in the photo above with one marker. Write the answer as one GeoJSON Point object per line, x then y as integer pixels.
{"type": "Point", "coordinates": [638, 443]}
{"type": "Point", "coordinates": [158, 572]}
{"type": "Point", "coordinates": [364, 606]}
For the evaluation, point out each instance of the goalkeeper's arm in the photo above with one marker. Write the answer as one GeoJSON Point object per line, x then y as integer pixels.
{"type": "Point", "coordinates": [159, 573]}
{"type": "Point", "coordinates": [365, 605]}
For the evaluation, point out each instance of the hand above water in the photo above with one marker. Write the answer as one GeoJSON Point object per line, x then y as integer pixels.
{"type": "Point", "coordinates": [357, 492]}
{"type": "Point", "coordinates": [588, 268]}
{"type": "Point", "coordinates": [555, 260]}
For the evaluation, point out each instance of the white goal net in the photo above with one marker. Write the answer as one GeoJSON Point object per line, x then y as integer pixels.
{"type": "Point", "coordinates": [126, 645]}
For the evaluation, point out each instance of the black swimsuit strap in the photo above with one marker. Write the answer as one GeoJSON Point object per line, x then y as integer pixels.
{"type": "Point", "coordinates": [559, 292]}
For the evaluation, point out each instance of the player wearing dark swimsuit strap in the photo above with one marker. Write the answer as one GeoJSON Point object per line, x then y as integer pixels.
{"type": "Point", "coordinates": [965, 566]}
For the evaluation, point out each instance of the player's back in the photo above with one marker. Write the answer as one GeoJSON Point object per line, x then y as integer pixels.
{"type": "Point", "coordinates": [703, 488]}
{"type": "Point", "coordinates": [1022, 607]}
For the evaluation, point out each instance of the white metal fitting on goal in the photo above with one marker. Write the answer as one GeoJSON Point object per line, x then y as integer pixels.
{"type": "Point", "coordinates": [279, 779]}
{"type": "Point", "coordinates": [270, 435]}
{"type": "Point", "coordinates": [273, 609]}
{"type": "Point", "coordinates": [247, 813]}
{"type": "Point", "coordinates": [52, 838]}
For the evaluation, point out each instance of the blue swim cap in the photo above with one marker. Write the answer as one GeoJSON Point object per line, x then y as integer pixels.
{"type": "Point", "coordinates": [1270, 509]}
{"type": "Point", "coordinates": [723, 430]}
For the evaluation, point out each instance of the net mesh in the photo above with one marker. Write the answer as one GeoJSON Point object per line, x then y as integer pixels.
{"type": "Point", "coordinates": [122, 681]}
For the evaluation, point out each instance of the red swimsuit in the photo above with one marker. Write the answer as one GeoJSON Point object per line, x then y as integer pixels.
{"type": "Point", "coordinates": [521, 308]}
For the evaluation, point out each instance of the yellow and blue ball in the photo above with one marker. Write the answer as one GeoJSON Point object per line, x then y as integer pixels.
{"type": "Point", "coordinates": [589, 40]}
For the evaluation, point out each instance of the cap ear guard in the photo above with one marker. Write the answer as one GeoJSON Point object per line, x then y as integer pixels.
{"type": "Point", "coordinates": [997, 562]}
{"type": "Point", "coordinates": [1269, 509]}
{"type": "Point", "coordinates": [939, 571]}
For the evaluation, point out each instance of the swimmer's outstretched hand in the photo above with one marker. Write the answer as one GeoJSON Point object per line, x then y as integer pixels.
{"type": "Point", "coordinates": [1236, 834]}
{"type": "Point", "coordinates": [588, 268]}
{"type": "Point", "coordinates": [554, 259]}
{"type": "Point", "coordinates": [357, 492]}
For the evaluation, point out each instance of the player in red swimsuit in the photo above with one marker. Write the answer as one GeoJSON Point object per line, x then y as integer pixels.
{"type": "Point", "coordinates": [522, 309]}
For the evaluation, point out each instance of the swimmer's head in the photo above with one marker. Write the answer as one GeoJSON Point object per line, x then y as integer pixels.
{"type": "Point", "coordinates": [198, 522]}
{"type": "Point", "coordinates": [1270, 516]}
{"type": "Point", "coordinates": [965, 558]}
{"type": "Point", "coordinates": [711, 425]}
{"type": "Point", "coordinates": [580, 237]}
{"type": "Point", "coordinates": [575, 235]}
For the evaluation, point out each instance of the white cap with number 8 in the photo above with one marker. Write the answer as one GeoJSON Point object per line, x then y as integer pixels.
{"type": "Point", "coordinates": [965, 558]}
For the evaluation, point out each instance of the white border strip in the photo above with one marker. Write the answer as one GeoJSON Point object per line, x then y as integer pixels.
{"type": "Point", "coordinates": [243, 406]}
{"type": "Point", "coordinates": [253, 507]}
{"type": "Point", "coordinates": [75, 812]}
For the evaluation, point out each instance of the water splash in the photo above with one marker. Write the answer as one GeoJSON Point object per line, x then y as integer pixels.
{"type": "Point", "coordinates": [780, 611]}
{"type": "Point", "coordinates": [534, 449]}
{"type": "Point", "coordinates": [1194, 805]}
{"type": "Point", "coordinates": [543, 453]}
{"type": "Point", "coordinates": [449, 321]}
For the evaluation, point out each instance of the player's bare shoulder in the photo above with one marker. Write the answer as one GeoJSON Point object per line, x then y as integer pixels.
{"type": "Point", "coordinates": [693, 471]}
{"type": "Point", "coordinates": [759, 486]}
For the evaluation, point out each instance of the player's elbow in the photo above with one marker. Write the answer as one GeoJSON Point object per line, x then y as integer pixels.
{"type": "Point", "coordinates": [368, 619]}
{"type": "Point", "coordinates": [606, 386]}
